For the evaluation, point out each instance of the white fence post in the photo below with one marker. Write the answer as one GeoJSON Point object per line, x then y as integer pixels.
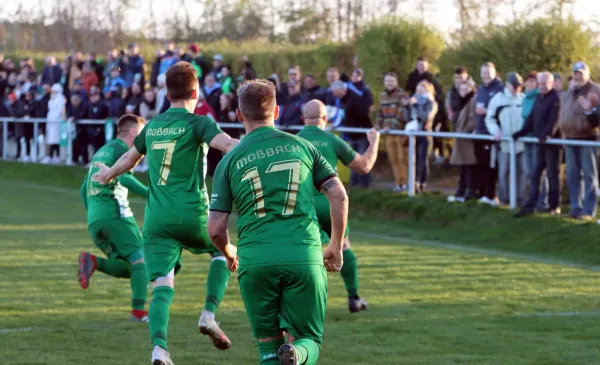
{"type": "Point", "coordinates": [513, 173]}
{"type": "Point", "coordinates": [69, 144]}
{"type": "Point", "coordinates": [412, 144]}
{"type": "Point", "coordinates": [4, 140]}
{"type": "Point", "coordinates": [34, 144]}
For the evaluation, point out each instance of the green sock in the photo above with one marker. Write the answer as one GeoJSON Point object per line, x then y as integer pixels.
{"type": "Point", "coordinates": [307, 350]}
{"type": "Point", "coordinates": [139, 286]}
{"type": "Point", "coordinates": [350, 273]}
{"type": "Point", "coordinates": [268, 352]}
{"type": "Point", "coordinates": [158, 315]}
{"type": "Point", "coordinates": [216, 283]}
{"type": "Point", "coordinates": [113, 267]}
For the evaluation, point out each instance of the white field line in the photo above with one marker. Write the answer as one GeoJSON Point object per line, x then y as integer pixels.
{"type": "Point", "coordinates": [383, 237]}
{"type": "Point", "coordinates": [558, 314]}
{"type": "Point", "coordinates": [12, 330]}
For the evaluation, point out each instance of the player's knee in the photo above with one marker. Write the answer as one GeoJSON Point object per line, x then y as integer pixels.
{"type": "Point", "coordinates": [168, 280]}
{"type": "Point", "coordinates": [136, 258]}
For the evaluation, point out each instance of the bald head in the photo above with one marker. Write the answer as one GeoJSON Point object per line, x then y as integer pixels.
{"type": "Point", "coordinates": [314, 113]}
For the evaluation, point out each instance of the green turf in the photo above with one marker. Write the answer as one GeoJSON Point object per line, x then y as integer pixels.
{"type": "Point", "coordinates": [427, 305]}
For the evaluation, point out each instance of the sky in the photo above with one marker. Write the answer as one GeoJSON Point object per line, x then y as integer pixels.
{"type": "Point", "coordinates": [441, 13]}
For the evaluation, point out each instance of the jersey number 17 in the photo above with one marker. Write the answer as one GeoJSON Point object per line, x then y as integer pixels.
{"type": "Point", "coordinates": [252, 175]}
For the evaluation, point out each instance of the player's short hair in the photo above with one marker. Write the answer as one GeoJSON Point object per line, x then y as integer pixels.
{"type": "Point", "coordinates": [181, 81]}
{"type": "Point", "coordinates": [256, 100]}
{"type": "Point", "coordinates": [489, 65]}
{"type": "Point", "coordinates": [422, 59]}
{"type": "Point", "coordinates": [391, 74]}
{"type": "Point", "coordinates": [461, 70]}
{"type": "Point", "coordinates": [127, 121]}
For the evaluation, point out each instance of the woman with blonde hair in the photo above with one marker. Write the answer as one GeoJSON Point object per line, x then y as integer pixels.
{"type": "Point", "coordinates": [424, 108]}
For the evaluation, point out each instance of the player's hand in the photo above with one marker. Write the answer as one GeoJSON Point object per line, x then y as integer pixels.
{"type": "Point", "coordinates": [102, 176]}
{"type": "Point", "coordinates": [373, 135]}
{"type": "Point", "coordinates": [333, 259]}
{"type": "Point", "coordinates": [233, 261]}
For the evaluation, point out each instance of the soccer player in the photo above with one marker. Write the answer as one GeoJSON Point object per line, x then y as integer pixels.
{"type": "Point", "coordinates": [175, 145]}
{"type": "Point", "coordinates": [333, 149]}
{"type": "Point", "coordinates": [271, 176]}
{"type": "Point", "coordinates": [111, 223]}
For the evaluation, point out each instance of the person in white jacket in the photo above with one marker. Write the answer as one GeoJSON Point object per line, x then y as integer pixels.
{"type": "Point", "coordinates": [502, 120]}
{"type": "Point", "coordinates": [56, 114]}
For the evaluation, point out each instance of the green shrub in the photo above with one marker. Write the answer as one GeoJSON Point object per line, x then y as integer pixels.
{"type": "Point", "coordinates": [543, 44]}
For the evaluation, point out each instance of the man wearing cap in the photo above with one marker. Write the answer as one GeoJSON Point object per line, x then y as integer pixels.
{"type": "Point", "coordinates": [502, 120]}
{"type": "Point", "coordinates": [542, 123]}
{"type": "Point", "coordinates": [581, 161]}
{"type": "Point", "coordinates": [133, 64]}
{"type": "Point", "coordinates": [217, 66]}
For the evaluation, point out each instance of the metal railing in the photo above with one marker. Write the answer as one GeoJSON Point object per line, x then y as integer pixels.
{"type": "Point", "coordinates": [410, 134]}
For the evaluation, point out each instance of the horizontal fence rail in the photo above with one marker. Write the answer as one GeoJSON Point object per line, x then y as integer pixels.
{"type": "Point", "coordinates": [411, 143]}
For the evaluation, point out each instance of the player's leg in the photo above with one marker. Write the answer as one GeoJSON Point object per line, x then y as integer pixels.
{"type": "Point", "coordinates": [349, 273]}
{"type": "Point", "coordinates": [102, 233]}
{"type": "Point", "coordinates": [303, 303]}
{"type": "Point", "coordinates": [216, 284]}
{"type": "Point", "coordinates": [162, 257]}
{"type": "Point", "coordinates": [259, 287]}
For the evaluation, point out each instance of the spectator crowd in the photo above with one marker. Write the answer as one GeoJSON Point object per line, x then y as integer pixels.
{"type": "Point", "coordinates": [539, 105]}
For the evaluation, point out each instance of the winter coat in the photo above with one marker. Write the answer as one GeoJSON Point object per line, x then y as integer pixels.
{"type": "Point", "coordinates": [543, 120]}
{"type": "Point", "coordinates": [212, 96]}
{"type": "Point", "coordinates": [463, 152]}
{"type": "Point", "coordinates": [357, 111]}
{"type": "Point", "coordinates": [51, 74]}
{"type": "Point", "coordinates": [292, 111]}
{"type": "Point", "coordinates": [168, 60]}
{"type": "Point", "coordinates": [315, 92]}
{"type": "Point", "coordinates": [528, 102]}
{"type": "Point", "coordinates": [147, 110]}
{"type": "Point", "coordinates": [504, 115]}
{"type": "Point", "coordinates": [573, 121]}
{"type": "Point", "coordinates": [56, 114]}
{"type": "Point", "coordinates": [117, 81]}
{"type": "Point", "coordinates": [485, 93]}
{"type": "Point", "coordinates": [134, 65]}
{"type": "Point", "coordinates": [88, 80]}
{"type": "Point", "coordinates": [424, 111]}
{"type": "Point", "coordinates": [391, 114]}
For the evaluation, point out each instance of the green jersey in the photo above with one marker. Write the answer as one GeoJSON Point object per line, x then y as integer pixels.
{"type": "Point", "coordinates": [175, 144]}
{"type": "Point", "coordinates": [271, 176]}
{"type": "Point", "coordinates": [332, 147]}
{"type": "Point", "coordinates": [109, 201]}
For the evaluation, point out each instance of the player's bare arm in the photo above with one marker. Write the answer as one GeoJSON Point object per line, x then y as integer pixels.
{"type": "Point", "coordinates": [219, 235]}
{"type": "Point", "coordinates": [364, 163]}
{"type": "Point", "coordinates": [338, 200]}
{"type": "Point", "coordinates": [223, 142]}
{"type": "Point", "coordinates": [127, 162]}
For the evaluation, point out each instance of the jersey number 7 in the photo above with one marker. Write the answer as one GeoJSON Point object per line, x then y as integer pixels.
{"type": "Point", "coordinates": [252, 175]}
{"type": "Point", "coordinates": [165, 166]}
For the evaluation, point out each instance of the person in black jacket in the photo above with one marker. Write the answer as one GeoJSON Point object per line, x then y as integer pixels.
{"type": "Point", "coordinates": [24, 108]}
{"type": "Point", "coordinates": [97, 110]}
{"type": "Point", "coordinates": [212, 92]}
{"type": "Point", "coordinates": [312, 90]}
{"type": "Point", "coordinates": [291, 113]}
{"type": "Point", "coordinates": [357, 114]}
{"type": "Point", "coordinates": [543, 124]}
{"type": "Point", "coordinates": [76, 111]}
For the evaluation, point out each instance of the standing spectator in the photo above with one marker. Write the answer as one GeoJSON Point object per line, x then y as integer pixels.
{"type": "Point", "coordinates": [196, 58]}
{"type": "Point", "coordinates": [356, 110]}
{"type": "Point", "coordinates": [161, 95]}
{"type": "Point", "coordinates": [74, 65]}
{"type": "Point", "coordinates": [56, 114]}
{"type": "Point", "coordinates": [212, 91]}
{"type": "Point", "coordinates": [136, 99]}
{"type": "Point", "coordinates": [291, 113]}
{"type": "Point", "coordinates": [581, 161]}
{"type": "Point", "coordinates": [294, 75]}
{"type": "Point", "coordinates": [227, 82]}
{"type": "Point", "coordinates": [312, 90]}
{"type": "Point", "coordinates": [41, 104]}
{"type": "Point", "coordinates": [76, 111]}
{"type": "Point", "coordinates": [503, 119]}
{"type": "Point", "coordinates": [78, 89]}
{"type": "Point", "coordinates": [155, 69]}
{"type": "Point", "coordinates": [97, 110]}
{"type": "Point", "coordinates": [247, 70]}
{"type": "Point", "coordinates": [463, 152]}
{"type": "Point", "coordinates": [133, 64]}
{"type": "Point", "coordinates": [280, 100]}
{"type": "Point", "coordinates": [453, 97]}
{"type": "Point", "coordinates": [96, 65]}
{"type": "Point", "coordinates": [51, 73]}
{"type": "Point", "coordinates": [217, 66]}
{"type": "Point", "coordinates": [148, 106]}
{"type": "Point", "coordinates": [203, 108]}
{"type": "Point", "coordinates": [558, 85]}
{"type": "Point", "coordinates": [24, 108]}
{"type": "Point", "coordinates": [485, 173]}
{"type": "Point", "coordinates": [424, 108]}
{"type": "Point", "coordinates": [115, 103]}
{"type": "Point", "coordinates": [393, 114]}
{"type": "Point", "coordinates": [168, 59]}
{"type": "Point", "coordinates": [89, 77]}
{"type": "Point", "coordinates": [333, 75]}
{"type": "Point", "coordinates": [115, 80]}
{"type": "Point", "coordinates": [112, 60]}
{"type": "Point", "coordinates": [531, 93]}
{"type": "Point", "coordinates": [543, 121]}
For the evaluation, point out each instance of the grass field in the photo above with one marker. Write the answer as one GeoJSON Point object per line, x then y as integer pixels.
{"type": "Point", "coordinates": [430, 303]}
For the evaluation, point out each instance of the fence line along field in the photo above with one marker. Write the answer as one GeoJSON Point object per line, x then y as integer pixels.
{"type": "Point", "coordinates": [428, 305]}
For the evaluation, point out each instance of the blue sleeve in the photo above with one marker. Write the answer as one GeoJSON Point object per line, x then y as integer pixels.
{"type": "Point", "coordinates": [139, 65]}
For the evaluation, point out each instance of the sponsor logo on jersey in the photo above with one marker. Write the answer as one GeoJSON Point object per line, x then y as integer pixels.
{"type": "Point", "coordinates": [165, 131]}
{"type": "Point", "coordinates": [267, 152]}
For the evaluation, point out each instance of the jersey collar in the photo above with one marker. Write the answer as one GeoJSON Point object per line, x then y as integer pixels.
{"type": "Point", "coordinates": [176, 110]}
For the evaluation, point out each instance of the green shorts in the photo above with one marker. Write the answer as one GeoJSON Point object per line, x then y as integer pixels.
{"type": "Point", "coordinates": [324, 218]}
{"type": "Point", "coordinates": [163, 244]}
{"type": "Point", "coordinates": [118, 238]}
{"type": "Point", "coordinates": [291, 298]}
